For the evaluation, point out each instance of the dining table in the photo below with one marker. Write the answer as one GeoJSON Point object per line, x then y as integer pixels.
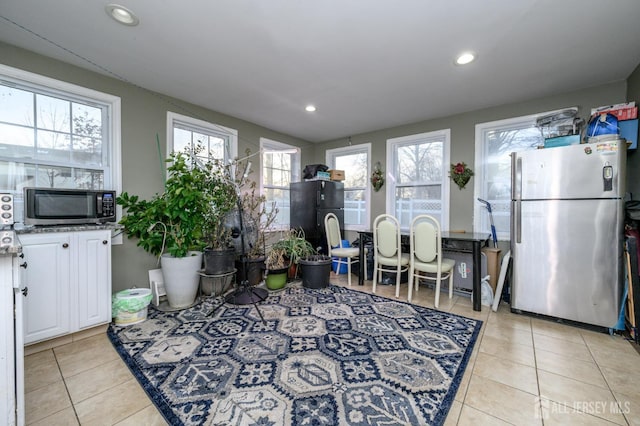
{"type": "Point", "coordinates": [461, 242]}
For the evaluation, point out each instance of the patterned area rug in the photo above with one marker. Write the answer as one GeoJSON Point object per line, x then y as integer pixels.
{"type": "Point", "coordinates": [331, 356]}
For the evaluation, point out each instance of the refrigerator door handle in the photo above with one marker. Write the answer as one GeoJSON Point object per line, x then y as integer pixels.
{"type": "Point", "coordinates": [517, 212]}
{"type": "Point", "coordinates": [516, 194]}
{"type": "Point", "coordinates": [516, 176]}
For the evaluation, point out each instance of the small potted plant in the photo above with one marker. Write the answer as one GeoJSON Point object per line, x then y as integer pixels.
{"type": "Point", "coordinates": [277, 265]}
{"type": "Point", "coordinates": [296, 247]}
{"type": "Point", "coordinates": [316, 271]}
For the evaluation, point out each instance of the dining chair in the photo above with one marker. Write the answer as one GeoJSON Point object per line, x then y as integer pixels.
{"type": "Point", "coordinates": [388, 256]}
{"type": "Point", "coordinates": [342, 255]}
{"type": "Point", "coordinates": [425, 241]}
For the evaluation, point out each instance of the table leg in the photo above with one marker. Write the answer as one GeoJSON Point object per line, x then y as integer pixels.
{"type": "Point", "coordinates": [477, 292]}
{"type": "Point", "coordinates": [361, 261]}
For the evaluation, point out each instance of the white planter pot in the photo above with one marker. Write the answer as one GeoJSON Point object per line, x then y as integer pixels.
{"type": "Point", "coordinates": [181, 278]}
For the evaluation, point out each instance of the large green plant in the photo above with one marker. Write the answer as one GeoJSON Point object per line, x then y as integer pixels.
{"type": "Point", "coordinates": [179, 219]}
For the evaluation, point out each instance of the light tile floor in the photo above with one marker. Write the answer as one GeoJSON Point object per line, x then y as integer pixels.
{"type": "Point", "coordinates": [523, 371]}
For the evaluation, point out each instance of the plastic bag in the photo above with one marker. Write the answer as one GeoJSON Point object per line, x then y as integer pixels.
{"type": "Point", "coordinates": [131, 300]}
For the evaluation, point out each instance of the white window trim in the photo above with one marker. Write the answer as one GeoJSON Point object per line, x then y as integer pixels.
{"type": "Point", "coordinates": [329, 154]}
{"type": "Point", "coordinates": [113, 104]}
{"type": "Point", "coordinates": [269, 144]}
{"type": "Point", "coordinates": [173, 117]}
{"type": "Point", "coordinates": [444, 134]}
{"type": "Point", "coordinates": [479, 209]}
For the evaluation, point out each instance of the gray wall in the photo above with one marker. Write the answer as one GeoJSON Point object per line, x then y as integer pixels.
{"type": "Point", "coordinates": [463, 139]}
{"type": "Point", "coordinates": [633, 160]}
{"type": "Point", "coordinates": [144, 114]}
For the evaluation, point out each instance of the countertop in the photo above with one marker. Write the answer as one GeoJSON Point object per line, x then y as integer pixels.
{"type": "Point", "coordinates": [24, 229]}
{"type": "Point", "coordinates": [10, 240]}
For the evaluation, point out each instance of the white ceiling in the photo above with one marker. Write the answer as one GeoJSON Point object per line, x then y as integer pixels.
{"type": "Point", "coordinates": [365, 64]}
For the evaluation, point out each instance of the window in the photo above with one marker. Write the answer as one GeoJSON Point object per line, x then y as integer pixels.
{"type": "Point", "coordinates": [280, 167]}
{"type": "Point", "coordinates": [495, 141]}
{"type": "Point", "coordinates": [185, 133]}
{"type": "Point", "coordinates": [356, 162]}
{"type": "Point", "coordinates": [417, 178]}
{"type": "Point", "coordinates": [55, 134]}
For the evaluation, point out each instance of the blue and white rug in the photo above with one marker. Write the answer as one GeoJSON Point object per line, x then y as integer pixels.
{"type": "Point", "coordinates": [331, 356]}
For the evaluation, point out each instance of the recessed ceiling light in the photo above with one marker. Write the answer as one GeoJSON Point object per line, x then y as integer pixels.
{"type": "Point", "coordinates": [465, 58]}
{"type": "Point", "coordinates": [122, 14]}
{"type": "Point", "coordinates": [310, 108]}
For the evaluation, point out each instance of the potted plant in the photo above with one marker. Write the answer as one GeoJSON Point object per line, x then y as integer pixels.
{"type": "Point", "coordinates": [171, 226]}
{"type": "Point", "coordinates": [296, 247]}
{"type": "Point", "coordinates": [277, 265]}
{"type": "Point", "coordinates": [316, 271]}
{"type": "Point", "coordinates": [258, 219]}
{"type": "Point", "coordinates": [219, 253]}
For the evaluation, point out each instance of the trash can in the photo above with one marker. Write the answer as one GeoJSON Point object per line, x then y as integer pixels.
{"type": "Point", "coordinates": [130, 306]}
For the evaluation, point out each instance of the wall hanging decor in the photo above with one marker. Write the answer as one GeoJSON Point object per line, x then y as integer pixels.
{"type": "Point", "coordinates": [460, 174]}
{"type": "Point", "coordinates": [377, 177]}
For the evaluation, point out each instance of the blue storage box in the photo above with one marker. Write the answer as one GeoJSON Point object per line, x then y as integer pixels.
{"type": "Point", "coordinates": [562, 141]}
{"type": "Point", "coordinates": [629, 131]}
{"type": "Point", "coordinates": [343, 266]}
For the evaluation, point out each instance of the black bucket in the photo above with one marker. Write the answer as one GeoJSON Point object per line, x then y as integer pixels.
{"type": "Point", "coordinates": [316, 271]}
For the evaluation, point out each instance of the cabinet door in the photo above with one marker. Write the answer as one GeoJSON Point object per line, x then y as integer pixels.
{"type": "Point", "coordinates": [94, 278]}
{"type": "Point", "coordinates": [48, 279]}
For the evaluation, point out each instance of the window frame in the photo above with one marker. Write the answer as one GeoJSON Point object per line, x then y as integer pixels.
{"type": "Point", "coordinates": [272, 145]}
{"type": "Point", "coordinates": [481, 219]}
{"type": "Point", "coordinates": [330, 158]}
{"type": "Point", "coordinates": [393, 144]}
{"type": "Point", "coordinates": [113, 105]}
{"type": "Point", "coordinates": [73, 92]}
{"type": "Point", "coordinates": [212, 129]}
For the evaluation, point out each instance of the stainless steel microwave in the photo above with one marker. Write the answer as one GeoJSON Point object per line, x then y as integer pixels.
{"type": "Point", "coordinates": [57, 206]}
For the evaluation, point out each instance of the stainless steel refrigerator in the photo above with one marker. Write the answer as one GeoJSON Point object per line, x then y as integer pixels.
{"type": "Point", "coordinates": [310, 203]}
{"type": "Point", "coordinates": [567, 220]}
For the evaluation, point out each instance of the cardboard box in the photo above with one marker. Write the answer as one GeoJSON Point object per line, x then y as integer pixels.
{"type": "Point", "coordinates": [493, 265]}
{"type": "Point", "coordinates": [336, 174]}
{"type": "Point", "coordinates": [624, 111]}
{"type": "Point", "coordinates": [629, 131]}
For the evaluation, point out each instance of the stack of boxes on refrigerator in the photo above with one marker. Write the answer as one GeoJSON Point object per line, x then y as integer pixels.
{"type": "Point", "coordinates": [627, 115]}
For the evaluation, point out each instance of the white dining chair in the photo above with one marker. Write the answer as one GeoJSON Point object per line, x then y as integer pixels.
{"type": "Point", "coordinates": [388, 256]}
{"type": "Point", "coordinates": [426, 256]}
{"type": "Point", "coordinates": [342, 255]}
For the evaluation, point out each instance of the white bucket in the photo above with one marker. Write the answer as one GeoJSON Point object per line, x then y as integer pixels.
{"type": "Point", "coordinates": [135, 297]}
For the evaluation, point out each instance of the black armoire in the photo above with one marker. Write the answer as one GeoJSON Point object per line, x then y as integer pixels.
{"type": "Point", "coordinates": [310, 203]}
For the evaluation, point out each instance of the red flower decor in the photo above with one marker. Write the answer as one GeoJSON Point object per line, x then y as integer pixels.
{"type": "Point", "coordinates": [460, 174]}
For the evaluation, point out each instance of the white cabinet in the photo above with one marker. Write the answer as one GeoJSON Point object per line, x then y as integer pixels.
{"type": "Point", "coordinates": [69, 282]}
{"type": "Point", "coordinates": [7, 349]}
{"type": "Point", "coordinates": [11, 351]}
